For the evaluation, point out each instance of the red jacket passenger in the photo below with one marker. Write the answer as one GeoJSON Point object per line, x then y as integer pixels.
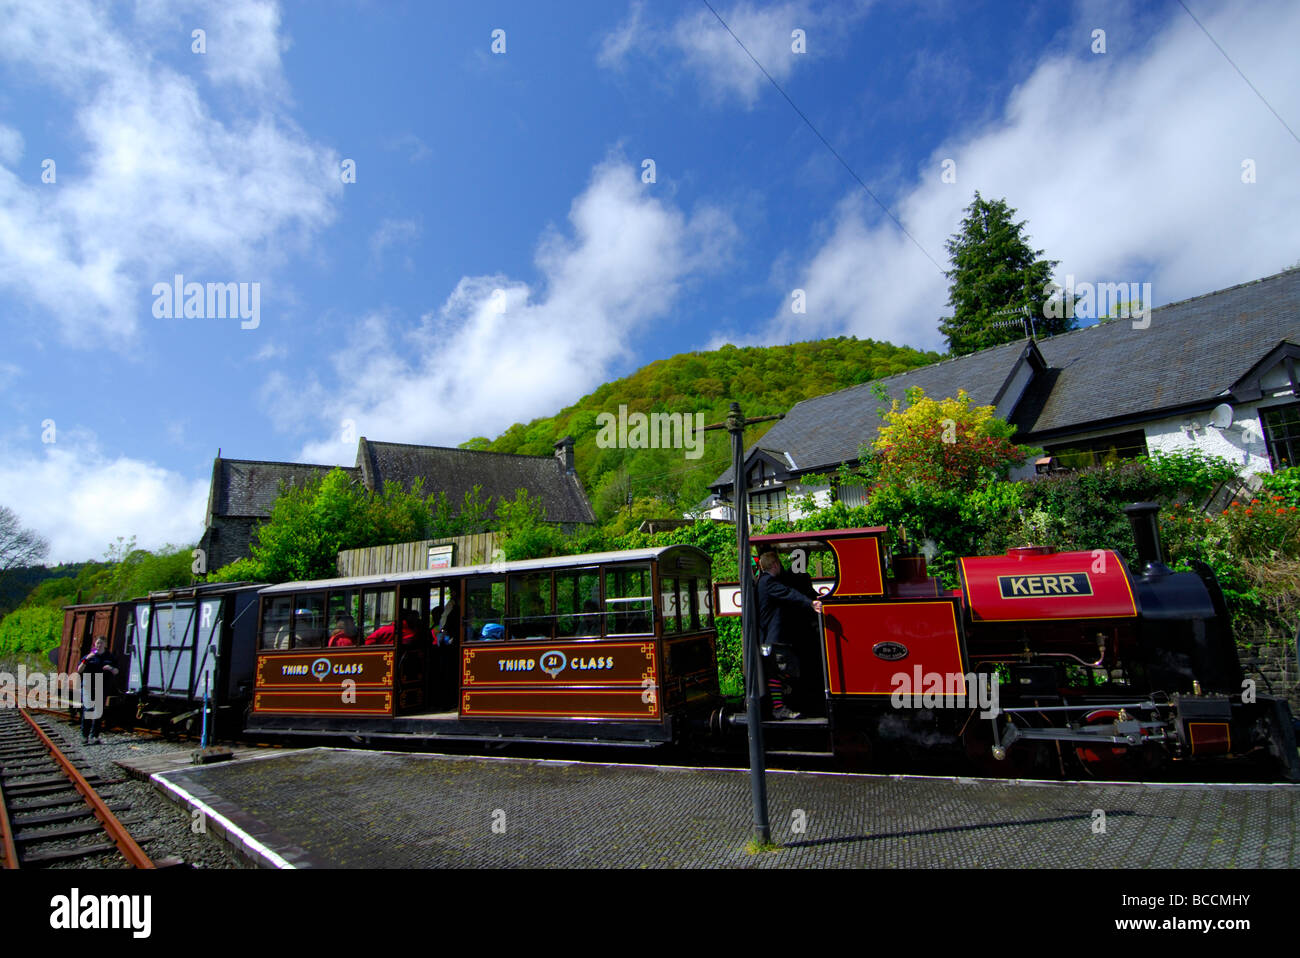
{"type": "Point", "coordinates": [411, 634]}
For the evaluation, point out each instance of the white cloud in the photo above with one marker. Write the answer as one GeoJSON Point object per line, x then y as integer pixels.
{"type": "Point", "coordinates": [416, 149]}
{"type": "Point", "coordinates": [629, 35]}
{"type": "Point", "coordinates": [710, 52]}
{"type": "Point", "coordinates": [81, 500]}
{"type": "Point", "coordinates": [1127, 168]}
{"type": "Point", "coordinates": [499, 350]}
{"type": "Point", "coordinates": [269, 351]}
{"type": "Point", "coordinates": [392, 232]}
{"type": "Point", "coordinates": [11, 145]}
{"type": "Point", "coordinates": [158, 181]}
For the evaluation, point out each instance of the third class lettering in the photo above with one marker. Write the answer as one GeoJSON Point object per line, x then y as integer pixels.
{"type": "Point", "coordinates": [1025, 586]}
{"type": "Point", "coordinates": [578, 664]}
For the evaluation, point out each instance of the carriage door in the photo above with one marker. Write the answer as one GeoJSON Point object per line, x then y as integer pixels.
{"type": "Point", "coordinates": [444, 660]}
{"type": "Point", "coordinates": [102, 624]}
{"type": "Point", "coordinates": [412, 657]}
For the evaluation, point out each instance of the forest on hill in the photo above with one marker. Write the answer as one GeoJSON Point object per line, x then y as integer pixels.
{"type": "Point", "coordinates": [765, 380]}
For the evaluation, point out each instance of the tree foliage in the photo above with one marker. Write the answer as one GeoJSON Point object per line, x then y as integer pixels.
{"type": "Point", "coordinates": [525, 533]}
{"type": "Point", "coordinates": [19, 547]}
{"type": "Point", "coordinates": [996, 278]}
{"type": "Point", "coordinates": [764, 380]}
{"type": "Point", "coordinates": [311, 524]}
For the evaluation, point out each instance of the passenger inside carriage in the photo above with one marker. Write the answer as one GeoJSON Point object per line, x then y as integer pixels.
{"type": "Point", "coordinates": [413, 631]}
{"type": "Point", "coordinates": [345, 632]}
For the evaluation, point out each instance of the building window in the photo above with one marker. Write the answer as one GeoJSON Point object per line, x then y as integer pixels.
{"type": "Point", "coordinates": [1282, 434]}
{"type": "Point", "coordinates": [1099, 452]}
{"type": "Point", "coordinates": [853, 495]}
{"type": "Point", "coordinates": [766, 506]}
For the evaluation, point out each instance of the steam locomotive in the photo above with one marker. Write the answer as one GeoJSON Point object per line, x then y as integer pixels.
{"type": "Point", "coordinates": [1040, 663]}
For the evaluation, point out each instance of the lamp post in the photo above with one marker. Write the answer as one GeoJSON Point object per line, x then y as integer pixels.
{"type": "Point", "coordinates": [752, 664]}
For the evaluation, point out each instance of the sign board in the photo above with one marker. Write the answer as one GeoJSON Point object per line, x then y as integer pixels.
{"type": "Point", "coordinates": [441, 557]}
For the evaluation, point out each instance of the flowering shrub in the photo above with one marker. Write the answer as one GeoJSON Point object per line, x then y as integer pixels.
{"type": "Point", "coordinates": [1284, 483]}
{"type": "Point", "coordinates": [1252, 546]}
{"type": "Point", "coordinates": [944, 444]}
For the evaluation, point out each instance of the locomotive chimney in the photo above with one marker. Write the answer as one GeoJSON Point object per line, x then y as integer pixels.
{"type": "Point", "coordinates": [1146, 534]}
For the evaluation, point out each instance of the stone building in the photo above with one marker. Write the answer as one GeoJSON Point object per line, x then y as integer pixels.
{"type": "Point", "coordinates": [243, 491]}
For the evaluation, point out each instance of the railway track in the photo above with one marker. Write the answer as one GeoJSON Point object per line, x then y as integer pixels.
{"type": "Point", "coordinates": [50, 812]}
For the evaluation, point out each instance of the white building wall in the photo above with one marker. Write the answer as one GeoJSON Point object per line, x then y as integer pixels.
{"type": "Point", "coordinates": [1242, 443]}
{"type": "Point", "coordinates": [821, 498]}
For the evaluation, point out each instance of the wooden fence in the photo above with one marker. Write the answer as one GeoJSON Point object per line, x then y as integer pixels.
{"type": "Point", "coordinates": [414, 556]}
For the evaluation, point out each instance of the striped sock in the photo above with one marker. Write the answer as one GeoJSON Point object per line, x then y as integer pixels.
{"type": "Point", "coordinates": [775, 690]}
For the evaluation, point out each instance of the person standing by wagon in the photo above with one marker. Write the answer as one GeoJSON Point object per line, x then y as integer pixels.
{"type": "Point", "coordinates": [101, 662]}
{"type": "Point", "coordinates": [782, 614]}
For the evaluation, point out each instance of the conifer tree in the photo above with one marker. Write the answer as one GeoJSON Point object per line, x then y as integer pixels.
{"type": "Point", "coordinates": [996, 280]}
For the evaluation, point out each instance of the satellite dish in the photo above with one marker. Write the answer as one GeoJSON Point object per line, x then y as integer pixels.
{"type": "Point", "coordinates": [1221, 418]}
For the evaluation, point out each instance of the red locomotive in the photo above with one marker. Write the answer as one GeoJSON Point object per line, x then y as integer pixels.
{"type": "Point", "coordinates": [1041, 662]}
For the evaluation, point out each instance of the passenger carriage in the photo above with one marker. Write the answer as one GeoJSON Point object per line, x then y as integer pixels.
{"type": "Point", "coordinates": [613, 647]}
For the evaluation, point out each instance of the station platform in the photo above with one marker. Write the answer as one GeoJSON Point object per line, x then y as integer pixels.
{"type": "Point", "coordinates": [345, 808]}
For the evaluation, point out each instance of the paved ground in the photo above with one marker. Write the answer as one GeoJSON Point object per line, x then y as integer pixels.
{"type": "Point", "coordinates": [345, 808]}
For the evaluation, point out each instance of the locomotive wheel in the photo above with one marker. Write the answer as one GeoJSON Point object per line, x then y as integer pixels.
{"type": "Point", "coordinates": [1113, 762]}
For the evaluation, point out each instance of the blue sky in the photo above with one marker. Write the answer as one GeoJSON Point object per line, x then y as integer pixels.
{"type": "Point", "coordinates": [501, 252]}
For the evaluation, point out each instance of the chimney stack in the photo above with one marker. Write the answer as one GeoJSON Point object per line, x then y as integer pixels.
{"type": "Point", "coordinates": [564, 453]}
{"type": "Point", "coordinates": [1144, 518]}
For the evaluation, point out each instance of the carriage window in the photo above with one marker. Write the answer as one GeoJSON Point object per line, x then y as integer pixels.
{"type": "Point", "coordinates": [485, 602]}
{"type": "Point", "coordinates": [628, 601]}
{"type": "Point", "coordinates": [704, 602]}
{"type": "Point", "coordinates": [577, 603]}
{"type": "Point", "coordinates": [530, 606]}
{"type": "Point", "coordinates": [344, 613]}
{"type": "Point", "coordinates": [275, 622]}
{"type": "Point", "coordinates": [672, 608]}
{"type": "Point", "coordinates": [309, 621]}
{"type": "Point", "coordinates": [690, 597]}
{"type": "Point", "coordinates": [378, 609]}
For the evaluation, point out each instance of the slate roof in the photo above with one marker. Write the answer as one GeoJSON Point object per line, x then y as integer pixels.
{"type": "Point", "coordinates": [247, 489]}
{"type": "Point", "coordinates": [1188, 357]}
{"type": "Point", "coordinates": [244, 487]}
{"type": "Point", "coordinates": [457, 471]}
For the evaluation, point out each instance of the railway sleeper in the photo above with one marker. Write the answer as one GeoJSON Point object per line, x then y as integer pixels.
{"type": "Point", "coordinates": [51, 785]}
{"type": "Point", "coordinates": [16, 783]}
{"type": "Point", "coordinates": [72, 831]}
{"type": "Point", "coordinates": [65, 854]}
{"type": "Point", "coordinates": [35, 770]}
{"type": "Point", "coordinates": [74, 798]}
{"type": "Point", "coordinates": [50, 818]}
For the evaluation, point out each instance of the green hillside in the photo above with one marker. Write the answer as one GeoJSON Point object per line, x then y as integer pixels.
{"type": "Point", "coordinates": [764, 380]}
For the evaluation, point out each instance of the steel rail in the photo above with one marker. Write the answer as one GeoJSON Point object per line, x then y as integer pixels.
{"type": "Point", "coordinates": [7, 847]}
{"type": "Point", "coordinates": [132, 852]}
